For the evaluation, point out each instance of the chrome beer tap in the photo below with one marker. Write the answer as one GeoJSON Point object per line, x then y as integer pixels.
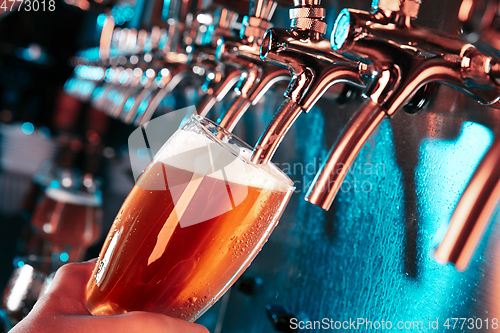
{"type": "Point", "coordinates": [478, 203]}
{"type": "Point", "coordinates": [313, 65]}
{"type": "Point", "coordinates": [113, 71]}
{"type": "Point", "coordinates": [220, 77]}
{"type": "Point", "coordinates": [244, 53]}
{"type": "Point", "coordinates": [403, 57]}
{"type": "Point", "coordinates": [174, 54]}
{"type": "Point", "coordinates": [150, 62]}
{"type": "Point", "coordinates": [130, 76]}
{"type": "Point", "coordinates": [247, 69]}
{"type": "Point", "coordinates": [199, 57]}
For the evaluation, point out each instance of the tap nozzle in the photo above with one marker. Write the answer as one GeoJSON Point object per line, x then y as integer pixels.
{"type": "Point", "coordinates": [241, 57]}
{"type": "Point", "coordinates": [473, 213]}
{"type": "Point", "coordinates": [391, 52]}
{"type": "Point", "coordinates": [258, 79]}
{"type": "Point", "coordinates": [478, 202]}
{"type": "Point", "coordinates": [313, 66]}
{"type": "Point", "coordinates": [328, 180]}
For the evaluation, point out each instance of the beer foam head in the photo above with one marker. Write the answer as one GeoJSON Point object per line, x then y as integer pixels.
{"type": "Point", "coordinates": [195, 152]}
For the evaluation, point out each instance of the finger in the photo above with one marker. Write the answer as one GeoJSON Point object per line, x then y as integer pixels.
{"type": "Point", "coordinates": [70, 276]}
{"type": "Point", "coordinates": [133, 322]}
{"type": "Point", "coordinates": [66, 294]}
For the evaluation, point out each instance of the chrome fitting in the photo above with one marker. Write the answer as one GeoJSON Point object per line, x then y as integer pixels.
{"type": "Point", "coordinates": [308, 16]}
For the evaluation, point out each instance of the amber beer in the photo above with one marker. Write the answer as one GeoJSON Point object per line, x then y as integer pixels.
{"type": "Point", "coordinates": [69, 221]}
{"type": "Point", "coordinates": [177, 250]}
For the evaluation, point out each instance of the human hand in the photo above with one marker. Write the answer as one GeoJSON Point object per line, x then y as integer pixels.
{"type": "Point", "coordinates": [62, 309]}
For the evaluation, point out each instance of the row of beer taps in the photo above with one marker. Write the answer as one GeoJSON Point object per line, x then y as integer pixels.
{"type": "Point", "coordinates": [382, 52]}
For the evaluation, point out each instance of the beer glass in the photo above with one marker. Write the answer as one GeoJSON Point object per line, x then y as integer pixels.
{"type": "Point", "coordinates": [194, 221]}
{"type": "Point", "coordinates": [69, 219]}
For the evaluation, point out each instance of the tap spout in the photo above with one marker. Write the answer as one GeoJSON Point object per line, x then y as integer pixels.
{"type": "Point", "coordinates": [176, 75]}
{"type": "Point", "coordinates": [259, 80]}
{"type": "Point", "coordinates": [269, 141]}
{"type": "Point", "coordinates": [340, 158]}
{"type": "Point", "coordinates": [314, 67]}
{"type": "Point", "coordinates": [219, 87]}
{"type": "Point", "coordinates": [397, 75]}
{"type": "Point", "coordinates": [473, 212]}
{"type": "Point", "coordinates": [311, 61]}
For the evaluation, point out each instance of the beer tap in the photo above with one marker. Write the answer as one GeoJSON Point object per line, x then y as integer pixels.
{"type": "Point", "coordinates": [403, 57]}
{"type": "Point", "coordinates": [82, 85]}
{"type": "Point", "coordinates": [313, 65]}
{"type": "Point", "coordinates": [198, 57]}
{"type": "Point", "coordinates": [150, 61]}
{"type": "Point", "coordinates": [479, 201]}
{"type": "Point", "coordinates": [243, 52]}
{"type": "Point", "coordinates": [173, 54]}
{"type": "Point", "coordinates": [112, 74]}
{"type": "Point", "coordinates": [129, 78]}
{"type": "Point", "coordinates": [220, 77]}
{"type": "Point", "coordinates": [245, 67]}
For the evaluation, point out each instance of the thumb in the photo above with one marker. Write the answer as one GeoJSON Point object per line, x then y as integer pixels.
{"type": "Point", "coordinates": [66, 293]}
{"type": "Point", "coordinates": [132, 322]}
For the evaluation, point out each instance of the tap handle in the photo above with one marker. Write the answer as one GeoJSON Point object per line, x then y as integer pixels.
{"type": "Point", "coordinates": [329, 179]}
{"type": "Point", "coordinates": [473, 212]}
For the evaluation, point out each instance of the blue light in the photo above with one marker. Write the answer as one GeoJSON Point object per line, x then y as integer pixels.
{"type": "Point", "coordinates": [69, 85]}
{"type": "Point", "coordinates": [27, 128]}
{"type": "Point", "coordinates": [20, 263]}
{"type": "Point", "coordinates": [129, 103]}
{"type": "Point", "coordinates": [98, 93]}
{"type": "Point", "coordinates": [341, 29]}
{"type": "Point", "coordinates": [54, 184]}
{"type": "Point", "coordinates": [143, 106]}
{"type": "Point", "coordinates": [122, 14]}
{"type": "Point", "coordinates": [101, 19]}
{"type": "Point", "coordinates": [148, 45]}
{"type": "Point", "coordinates": [64, 257]}
{"type": "Point", "coordinates": [166, 9]}
{"type": "Point", "coordinates": [118, 99]}
{"type": "Point", "coordinates": [33, 52]}
{"type": "Point", "coordinates": [441, 187]}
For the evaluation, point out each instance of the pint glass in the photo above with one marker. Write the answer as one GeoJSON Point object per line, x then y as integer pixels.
{"type": "Point", "coordinates": [194, 221]}
{"type": "Point", "coordinates": [69, 220]}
